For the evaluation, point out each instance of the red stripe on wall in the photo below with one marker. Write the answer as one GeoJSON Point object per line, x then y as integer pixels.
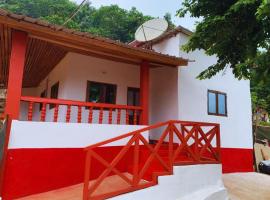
{"type": "Point", "coordinates": [31, 171]}
{"type": "Point", "coordinates": [237, 160]}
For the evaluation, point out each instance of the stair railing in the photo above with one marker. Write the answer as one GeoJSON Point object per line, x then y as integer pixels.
{"type": "Point", "coordinates": [200, 141]}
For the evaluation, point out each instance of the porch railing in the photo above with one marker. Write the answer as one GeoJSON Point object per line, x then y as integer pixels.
{"type": "Point", "coordinates": [122, 113]}
{"type": "Point", "coordinates": [178, 143]}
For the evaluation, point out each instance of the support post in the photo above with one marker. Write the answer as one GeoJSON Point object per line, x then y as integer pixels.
{"type": "Point", "coordinates": [15, 77]}
{"type": "Point", "coordinates": [144, 92]}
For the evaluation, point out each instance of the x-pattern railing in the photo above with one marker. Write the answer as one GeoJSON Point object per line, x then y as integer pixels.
{"type": "Point", "coordinates": [201, 146]}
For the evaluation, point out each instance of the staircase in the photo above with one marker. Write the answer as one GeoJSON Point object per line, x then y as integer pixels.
{"type": "Point", "coordinates": [176, 143]}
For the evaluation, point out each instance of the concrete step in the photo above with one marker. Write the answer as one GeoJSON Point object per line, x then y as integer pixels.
{"type": "Point", "coordinates": [185, 181]}
{"type": "Point", "coordinates": [208, 193]}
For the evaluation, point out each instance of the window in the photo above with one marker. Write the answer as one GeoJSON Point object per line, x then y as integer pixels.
{"type": "Point", "coordinates": [42, 95]}
{"type": "Point", "coordinates": [101, 92]}
{"type": "Point", "coordinates": [217, 103]}
{"type": "Point", "coordinates": [54, 93]}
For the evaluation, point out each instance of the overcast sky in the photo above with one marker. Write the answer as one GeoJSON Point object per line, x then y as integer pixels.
{"type": "Point", "coordinates": [155, 8]}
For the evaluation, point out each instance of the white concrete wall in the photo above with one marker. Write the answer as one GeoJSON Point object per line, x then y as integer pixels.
{"type": "Point", "coordinates": [236, 128]}
{"type": "Point", "coordinates": [62, 135]}
{"type": "Point", "coordinates": [185, 181]}
{"type": "Point", "coordinates": [73, 72]}
{"type": "Point", "coordinates": [170, 47]}
{"type": "Point", "coordinates": [163, 96]}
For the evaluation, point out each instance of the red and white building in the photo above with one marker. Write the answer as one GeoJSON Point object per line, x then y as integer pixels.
{"type": "Point", "coordinates": [91, 118]}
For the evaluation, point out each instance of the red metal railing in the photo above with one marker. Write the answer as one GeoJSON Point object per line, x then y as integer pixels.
{"type": "Point", "coordinates": [180, 143]}
{"type": "Point", "coordinates": [122, 111]}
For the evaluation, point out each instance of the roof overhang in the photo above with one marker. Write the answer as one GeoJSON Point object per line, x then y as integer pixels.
{"type": "Point", "coordinates": [85, 42]}
{"type": "Point", "coordinates": [165, 36]}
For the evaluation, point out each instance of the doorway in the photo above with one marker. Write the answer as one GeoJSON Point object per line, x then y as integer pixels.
{"type": "Point", "coordinates": [133, 99]}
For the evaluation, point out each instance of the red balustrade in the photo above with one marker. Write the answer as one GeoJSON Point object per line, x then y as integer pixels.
{"type": "Point", "coordinates": [178, 143]}
{"type": "Point", "coordinates": [121, 111]}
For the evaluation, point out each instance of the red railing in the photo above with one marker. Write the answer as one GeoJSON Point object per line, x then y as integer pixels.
{"type": "Point", "coordinates": [180, 143]}
{"type": "Point", "coordinates": [124, 113]}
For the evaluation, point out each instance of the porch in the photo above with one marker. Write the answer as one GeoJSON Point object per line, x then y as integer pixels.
{"type": "Point", "coordinates": [33, 66]}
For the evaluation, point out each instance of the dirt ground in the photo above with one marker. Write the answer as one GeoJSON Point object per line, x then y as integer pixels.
{"type": "Point", "coordinates": [247, 186]}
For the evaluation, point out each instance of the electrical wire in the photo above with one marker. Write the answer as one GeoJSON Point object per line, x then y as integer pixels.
{"type": "Point", "coordinates": [75, 12]}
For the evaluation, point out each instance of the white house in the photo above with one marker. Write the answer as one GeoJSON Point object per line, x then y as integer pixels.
{"type": "Point", "coordinates": [103, 119]}
{"type": "Point", "coordinates": [197, 100]}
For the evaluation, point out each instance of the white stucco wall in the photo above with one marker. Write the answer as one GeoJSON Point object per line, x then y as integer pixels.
{"type": "Point", "coordinates": [236, 128]}
{"type": "Point", "coordinates": [73, 72]}
{"type": "Point", "coordinates": [163, 97]}
{"type": "Point", "coordinates": [163, 94]}
{"type": "Point", "coordinates": [62, 135]}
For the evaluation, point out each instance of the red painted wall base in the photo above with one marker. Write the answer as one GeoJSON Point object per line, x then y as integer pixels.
{"type": "Point", "coordinates": [237, 160]}
{"type": "Point", "coordinates": [30, 171]}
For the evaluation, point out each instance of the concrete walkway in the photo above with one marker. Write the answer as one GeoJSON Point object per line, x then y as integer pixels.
{"type": "Point", "coordinates": [247, 186]}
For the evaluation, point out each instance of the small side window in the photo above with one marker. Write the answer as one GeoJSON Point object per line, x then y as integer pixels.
{"type": "Point", "coordinates": [217, 103]}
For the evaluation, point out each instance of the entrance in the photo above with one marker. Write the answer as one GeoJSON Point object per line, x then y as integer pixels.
{"type": "Point", "coordinates": [133, 99]}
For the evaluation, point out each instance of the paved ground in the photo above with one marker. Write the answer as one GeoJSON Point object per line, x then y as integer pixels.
{"type": "Point", "coordinates": [247, 186]}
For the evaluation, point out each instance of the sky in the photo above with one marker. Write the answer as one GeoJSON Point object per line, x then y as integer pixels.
{"type": "Point", "coordinates": [155, 8]}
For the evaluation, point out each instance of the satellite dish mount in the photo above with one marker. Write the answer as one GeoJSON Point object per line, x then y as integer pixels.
{"type": "Point", "coordinates": [151, 30]}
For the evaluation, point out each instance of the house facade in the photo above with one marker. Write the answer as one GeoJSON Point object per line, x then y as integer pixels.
{"type": "Point", "coordinates": [222, 99]}
{"type": "Point", "coordinates": [106, 120]}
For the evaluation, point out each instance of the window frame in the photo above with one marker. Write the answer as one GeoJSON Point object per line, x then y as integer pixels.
{"type": "Point", "coordinates": [217, 103]}
{"type": "Point", "coordinates": [43, 94]}
{"type": "Point", "coordinates": [88, 91]}
{"type": "Point", "coordinates": [136, 90]}
{"type": "Point", "coordinates": [54, 85]}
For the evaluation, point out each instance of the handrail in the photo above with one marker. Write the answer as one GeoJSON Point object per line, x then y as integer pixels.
{"type": "Point", "coordinates": [190, 138]}
{"type": "Point", "coordinates": [186, 123]}
{"type": "Point", "coordinates": [125, 135]}
{"type": "Point", "coordinates": [131, 113]}
{"type": "Point", "coordinates": [77, 103]}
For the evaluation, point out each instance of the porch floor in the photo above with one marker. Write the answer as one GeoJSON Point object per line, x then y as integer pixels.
{"type": "Point", "coordinates": [247, 186]}
{"type": "Point", "coordinates": [75, 192]}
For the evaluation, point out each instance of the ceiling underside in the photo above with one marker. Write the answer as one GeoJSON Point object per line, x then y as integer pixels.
{"type": "Point", "coordinates": [41, 58]}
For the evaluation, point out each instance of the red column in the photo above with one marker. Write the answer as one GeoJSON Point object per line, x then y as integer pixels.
{"type": "Point", "coordinates": [16, 68]}
{"type": "Point", "coordinates": [144, 92]}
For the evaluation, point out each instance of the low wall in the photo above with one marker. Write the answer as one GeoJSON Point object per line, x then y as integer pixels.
{"type": "Point", "coordinates": [44, 156]}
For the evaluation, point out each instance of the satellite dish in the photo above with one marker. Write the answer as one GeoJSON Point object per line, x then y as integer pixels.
{"type": "Point", "coordinates": [151, 30]}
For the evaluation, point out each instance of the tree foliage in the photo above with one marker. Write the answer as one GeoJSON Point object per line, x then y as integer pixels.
{"type": "Point", "coordinates": [236, 31]}
{"type": "Point", "coordinates": [107, 21]}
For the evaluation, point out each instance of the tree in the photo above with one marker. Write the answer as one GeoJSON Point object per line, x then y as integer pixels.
{"type": "Point", "coordinates": [236, 31]}
{"type": "Point", "coordinates": [168, 18]}
{"type": "Point", "coordinates": [107, 21]}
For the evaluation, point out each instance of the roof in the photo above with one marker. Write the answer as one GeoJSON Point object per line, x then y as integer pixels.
{"type": "Point", "coordinates": [166, 35]}
{"type": "Point", "coordinates": [62, 40]}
